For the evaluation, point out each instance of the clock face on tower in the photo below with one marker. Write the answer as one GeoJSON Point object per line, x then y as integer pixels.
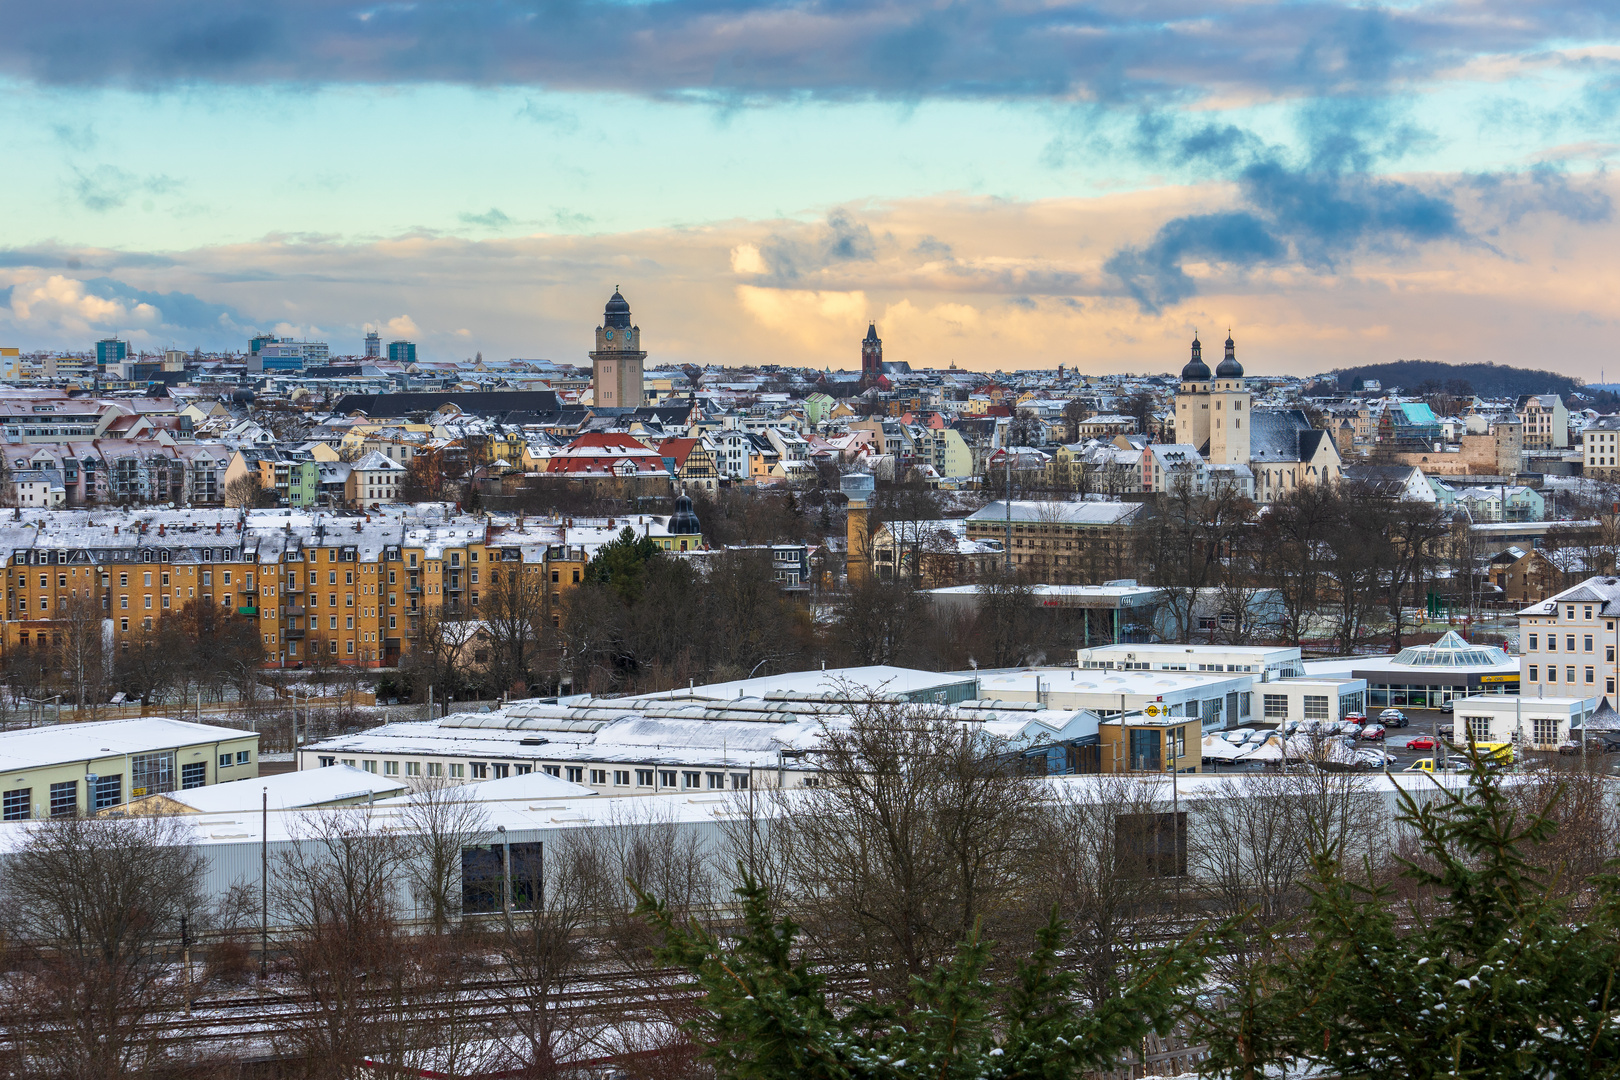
{"type": "Point", "coordinates": [610, 335]}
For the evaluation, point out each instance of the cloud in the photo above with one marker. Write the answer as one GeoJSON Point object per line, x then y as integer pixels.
{"type": "Point", "coordinates": [843, 239]}
{"type": "Point", "coordinates": [541, 295]}
{"type": "Point", "coordinates": [492, 218]}
{"type": "Point", "coordinates": [402, 327]}
{"type": "Point", "coordinates": [1544, 190]}
{"type": "Point", "coordinates": [59, 305]}
{"type": "Point", "coordinates": [742, 50]}
{"type": "Point", "coordinates": [107, 187]}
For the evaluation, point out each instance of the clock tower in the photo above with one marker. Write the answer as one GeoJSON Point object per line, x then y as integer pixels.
{"type": "Point", "coordinates": [616, 361]}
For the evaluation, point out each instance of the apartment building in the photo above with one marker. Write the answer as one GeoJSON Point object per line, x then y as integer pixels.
{"type": "Point", "coordinates": [1567, 643]}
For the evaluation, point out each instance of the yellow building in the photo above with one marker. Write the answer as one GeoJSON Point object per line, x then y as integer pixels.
{"type": "Point", "coordinates": [72, 770]}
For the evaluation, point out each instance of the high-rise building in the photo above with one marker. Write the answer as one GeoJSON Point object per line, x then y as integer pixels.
{"type": "Point", "coordinates": [616, 361]}
{"type": "Point", "coordinates": [373, 345]}
{"type": "Point", "coordinates": [111, 351]}
{"type": "Point", "coordinates": [401, 352]}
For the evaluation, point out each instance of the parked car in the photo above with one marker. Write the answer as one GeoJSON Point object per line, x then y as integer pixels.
{"type": "Point", "coordinates": [1595, 744]}
{"type": "Point", "coordinates": [1445, 706]}
{"type": "Point", "coordinates": [1237, 735]}
{"type": "Point", "coordinates": [1375, 758]}
{"type": "Point", "coordinates": [1393, 718]}
{"type": "Point", "coordinates": [1373, 731]}
{"type": "Point", "coordinates": [1421, 742]}
{"type": "Point", "coordinates": [1350, 728]}
{"type": "Point", "coordinates": [1429, 765]}
{"type": "Point", "coordinates": [1259, 736]}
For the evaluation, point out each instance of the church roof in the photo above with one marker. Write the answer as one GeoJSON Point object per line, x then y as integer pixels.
{"type": "Point", "coordinates": [871, 332]}
{"type": "Point", "coordinates": [1282, 435]}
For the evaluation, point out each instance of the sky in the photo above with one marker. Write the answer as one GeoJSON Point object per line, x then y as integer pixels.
{"type": "Point", "coordinates": [997, 185]}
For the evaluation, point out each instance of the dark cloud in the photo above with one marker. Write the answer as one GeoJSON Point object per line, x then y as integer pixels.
{"type": "Point", "coordinates": [1104, 50]}
{"type": "Point", "coordinates": [1317, 205]}
{"type": "Point", "coordinates": [69, 259]}
{"type": "Point", "coordinates": [842, 239]}
{"type": "Point", "coordinates": [180, 309]}
{"type": "Point", "coordinates": [1153, 275]}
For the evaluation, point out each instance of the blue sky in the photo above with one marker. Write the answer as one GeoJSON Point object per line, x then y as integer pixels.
{"type": "Point", "coordinates": [999, 185]}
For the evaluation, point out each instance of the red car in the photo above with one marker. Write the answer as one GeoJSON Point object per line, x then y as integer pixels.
{"type": "Point", "coordinates": [1422, 742]}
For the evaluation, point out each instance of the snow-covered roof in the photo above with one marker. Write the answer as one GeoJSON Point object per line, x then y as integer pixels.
{"type": "Point", "coordinates": [289, 791]}
{"type": "Point", "coordinates": [59, 744]}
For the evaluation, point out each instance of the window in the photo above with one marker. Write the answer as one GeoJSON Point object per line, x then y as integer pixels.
{"type": "Point", "coordinates": [244, 756]}
{"type": "Point", "coordinates": [1588, 643]}
{"type": "Point", "coordinates": [666, 779]}
{"type": "Point", "coordinates": [14, 805]}
{"type": "Point", "coordinates": [717, 781]}
{"type": "Point", "coordinates": [480, 771]}
{"type": "Point", "coordinates": [1479, 728]}
{"type": "Point", "coordinates": [1569, 642]}
{"type": "Point", "coordinates": [458, 771]}
{"type": "Point", "coordinates": [621, 777]}
{"type": "Point", "coordinates": [1275, 706]}
{"type": "Point", "coordinates": [390, 768]}
{"type": "Point", "coordinates": [739, 781]}
{"type": "Point", "coordinates": [598, 776]}
{"type": "Point", "coordinates": [150, 774]}
{"type": "Point", "coordinates": [109, 791]}
{"type": "Point", "coordinates": [1144, 751]}
{"type": "Point", "coordinates": [502, 771]}
{"type": "Point", "coordinates": [1552, 642]}
{"type": "Point", "coordinates": [691, 780]}
{"type": "Point", "coordinates": [1590, 679]}
{"type": "Point", "coordinates": [576, 775]}
{"type": "Point", "coordinates": [1534, 676]}
{"type": "Point", "coordinates": [1316, 708]}
{"type": "Point", "coordinates": [1533, 645]}
{"type": "Point", "coordinates": [193, 774]}
{"type": "Point", "coordinates": [370, 766]}
{"type": "Point", "coordinates": [413, 768]}
{"type": "Point", "coordinates": [65, 799]}
{"type": "Point", "coordinates": [644, 778]}
{"type": "Point", "coordinates": [435, 768]}
{"type": "Point", "coordinates": [484, 880]}
{"type": "Point", "coordinates": [225, 761]}
{"type": "Point", "coordinates": [1151, 845]}
{"type": "Point", "coordinates": [1569, 672]}
{"type": "Point", "coordinates": [1544, 732]}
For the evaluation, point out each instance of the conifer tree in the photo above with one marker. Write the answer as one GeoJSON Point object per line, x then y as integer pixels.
{"type": "Point", "coordinates": [1504, 979]}
{"type": "Point", "coordinates": [766, 1013]}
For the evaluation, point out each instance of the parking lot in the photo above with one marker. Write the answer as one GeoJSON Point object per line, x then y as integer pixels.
{"type": "Point", "coordinates": [1421, 723]}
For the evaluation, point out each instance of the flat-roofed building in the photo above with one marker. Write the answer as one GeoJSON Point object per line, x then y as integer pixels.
{"type": "Point", "coordinates": [68, 770]}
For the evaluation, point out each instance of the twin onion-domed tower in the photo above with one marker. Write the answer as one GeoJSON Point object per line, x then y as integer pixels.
{"type": "Point", "coordinates": [1213, 410]}
{"type": "Point", "coordinates": [617, 359]}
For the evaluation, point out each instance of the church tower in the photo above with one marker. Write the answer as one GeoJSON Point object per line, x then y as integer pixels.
{"type": "Point", "coordinates": [871, 356]}
{"type": "Point", "coordinates": [616, 361]}
{"type": "Point", "coordinates": [1230, 403]}
{"type": "Point", "coordinates": [1192, 402]}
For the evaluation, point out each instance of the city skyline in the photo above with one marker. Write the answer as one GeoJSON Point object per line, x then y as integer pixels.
{"type": "Point", "coordinates": [997, 186]}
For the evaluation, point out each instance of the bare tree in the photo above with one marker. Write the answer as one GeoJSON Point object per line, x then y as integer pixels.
{"type": "Point", "coordinates": [94, 904]}
{"type": "Point", "coordinates": [439, 822]}
{"type": "Point", "coordinates": [81, 647]}
{"type": "Point", "coordinates": [1104, 886]}
{"type": "Point", "coordinates": [245, 492]}
{"type": "Point", "coordinates": [918, 830]}
{"type": "Point", "coordinates": [337, 885]}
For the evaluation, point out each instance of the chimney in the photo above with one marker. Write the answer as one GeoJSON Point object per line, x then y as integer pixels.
{"type": "Point", "coordinates": [115, 528]}
{"type": "Point", "coordinates": [217, 527]}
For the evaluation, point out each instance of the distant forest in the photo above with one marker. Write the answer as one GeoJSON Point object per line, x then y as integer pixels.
{"type": "Point", "coordinates": [1432, 376]}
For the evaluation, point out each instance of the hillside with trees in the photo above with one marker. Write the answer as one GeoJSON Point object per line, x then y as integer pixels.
{"type": "Point", "coordinates": [1433, 376]}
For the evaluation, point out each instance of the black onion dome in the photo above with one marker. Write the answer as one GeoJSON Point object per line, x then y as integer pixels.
{"type": "Point", "coordinates": [1230, 368]}
{"type": "Point", "coordinates": [1196, 369]}
{"type": "Point", "coordinates": [685, 522]}
{"type": "Point", "coordinates": [617, 312]}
